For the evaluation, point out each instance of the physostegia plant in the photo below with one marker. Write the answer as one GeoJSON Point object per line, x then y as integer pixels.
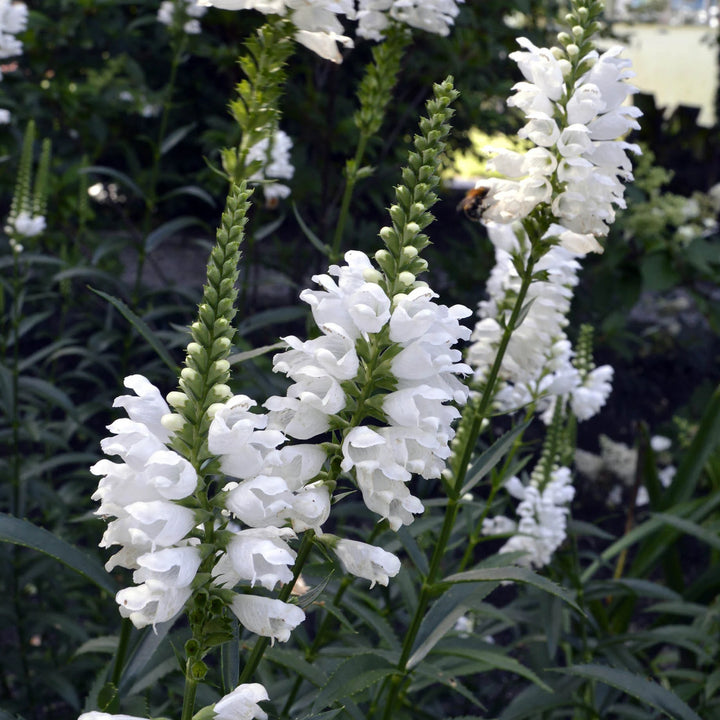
{"type": "Point", "coordinates": [217, 501]}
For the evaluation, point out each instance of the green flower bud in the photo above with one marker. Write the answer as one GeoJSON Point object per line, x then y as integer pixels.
{"type": "Point", "coordinates": [177, 399]}
{"type": "Point", "coordinates": [371, 275]}
{"type": "Point", "coordinates": [406, 278]}
{"type": "Point", "coordinates": [410, 251]}
{"type": "Point", "coordinates": [173, 422]}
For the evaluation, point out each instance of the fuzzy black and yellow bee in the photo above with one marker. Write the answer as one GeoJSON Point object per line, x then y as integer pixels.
{"type": "Point", "coordinates": [473, 204]}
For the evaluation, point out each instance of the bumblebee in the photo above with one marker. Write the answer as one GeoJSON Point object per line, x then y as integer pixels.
{"type": "Point", "coordinates": [473, 204]}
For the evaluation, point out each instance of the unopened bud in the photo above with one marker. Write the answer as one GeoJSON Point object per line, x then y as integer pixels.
{"type": "Point", "coordinates": [173, 422]}
{"type": "Point", "coordinates": [189, 375]}
{"type": "Point", "coordinates": [193, 348]}
{"type": "Point", "coordinates": [221, 366]}
{"type": "Point", "coordinates": [386, 233]}
{"type": "Point", "coordinates": [577, 31]}
{"type": "Point", "coordinates": [177, 399]}
{"type": "Point", "coordinates": [371, 275]}
{"type": "Point", "coordinates": [406, 278]}
{"type": "Point", "coordinates": [413, 228]}
{"type": "Point", "coordinates": [409, 251]}
{"type": "Point", "coordinates": [219, 393]}
{"type": "Point", "coordinates": [572, 50]}
{"type": "Point", "coordinates": [382, 256]}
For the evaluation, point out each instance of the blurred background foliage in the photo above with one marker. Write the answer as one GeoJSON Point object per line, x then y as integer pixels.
{"type": "Point", "coordinates": [132, 210]}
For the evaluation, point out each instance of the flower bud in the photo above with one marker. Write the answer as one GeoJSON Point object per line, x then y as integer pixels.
{"type": "Point", "coordinates": [573, 50]}
{"type": "Point", "coordinates": [410, 251]}
{"type": "Point", "coordinates": [173, 422]}
{"type": "Point", "coordinates": [371, 275]}
{"type": "Point", "coordinates": [577, 31]}
{"type": "Point", "coordinates": [193, 348]}
{"type": "Point", "coordinates": [189, 375]}
{"type": "Point", "coordinates": [406, 278]}
{"type": "Point", "coordinates": [177, 399]}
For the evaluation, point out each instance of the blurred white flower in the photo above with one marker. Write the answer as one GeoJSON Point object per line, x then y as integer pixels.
{"type": "Point", "coordinates": [367, 561]}
{"type": "Point", "coordinates": [242, 703]}
{"type": "Point", "coordinates": [266, 616]}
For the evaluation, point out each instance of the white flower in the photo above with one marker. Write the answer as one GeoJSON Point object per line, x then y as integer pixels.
{"type": "Point", "coordinates": [367, 561]}
{"type": "Point", "coordinates": [26, 225]}
{"type": "Point", "coordinates": [242, 703]}
{"type": "Point", "coordinates": [435, 16]}
{"type": "Point", "coordinates": [275, 164]}
{"type": "Point", "coordinates": [587, 399]}
{"type": "Point", "coordinates": [151, 603]}
{"type": "Point", "coordinates": [146, 407]}
{"type": "Point", "coordinates": [13, 20]}
{"type": "Point", "coordinates": [261, 555]}
{"type": "Point", "coordinates": [267, 617]}
{"type": "Point", "coordinates": [183, 12]}
{"type": "Point", "coordinates": [318, 27]}
{"type": "Point", "coordinates": [4, 116]}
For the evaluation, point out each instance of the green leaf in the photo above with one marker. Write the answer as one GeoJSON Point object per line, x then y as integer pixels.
{"type": "Point", "coordinates": [175, 137]}
{"type": "Point", "coordinates": [193, 191]}
{"type": "Point", "coordinates": [309, 234]}
{"type": "Point", "coordinates": [141, 327]}
{"type": "Point", "coordinates": [639, 687]}
{"type": "Point", "coordinates": [431, 674]}
{"type": "Point", "coordinates": [696, 456]}
{"type": "Point", "coordinates": [237, 358]}
{"type": "Point", "coordinates": [270, 317]}
{"type": "Point", "coordinates": [150, 640]}
{"type": "Point", "coordinates": [492, 456]}
{"type": "Point", "coordinates": [301, 667]}
{"type": "Point", "coordinates": [514, 574]}
{"type": "Point", "coordinates": [21, 532]}
{"type": "Point", "coordinates": [352, 676]}
{"type": "Point", "coordinates": [443, 615]}
{"type": "Point", "coordinates": [168, 229]}
{"type": "Point", "coordinates": [327, 715]}
{"type": "Point", "coordinates": [488, 659]}
{"type": "Point", "coordinates": [230, 659]}
{"type": "Point", "coordinates": [413, 550]}
{"type": "Point", "coordinates": [308, 598]}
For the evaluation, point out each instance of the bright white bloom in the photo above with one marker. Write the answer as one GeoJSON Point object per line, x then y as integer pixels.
{"type": "Point", "coordinates": [367, 561]}
{"type": "Point", "coordinates": [261, 556]}
{"type": "Point", "coordinates": [542, 526]}
{"type": "Point", "coordinates": [577, 146]}
{"type": "Point", "coordinates": [242, 703]}
{"type": "Point", "coordinates": [267, 617]}
{"type": "Point", "coordinates": [435, 16]}
{"type": "Point", "coordinates": [13, 20]}
{"type": "Point", "coordinates": [275, 159]}
{"type": "Point", "coordinates": [4, 116]}
{"type": "Point", "coordinates": [183, 12]}
{"type": "Point", "coordinates": [317, 23]}
{"type": "Point", "coordinates": [140, 492]}
{"type": "Point", "coordinates": [26, 225]}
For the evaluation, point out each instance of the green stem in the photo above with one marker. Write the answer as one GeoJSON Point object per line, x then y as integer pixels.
{"type": "Point", "coordinates": [121, 652]}
{"type": "Point", "coordinates": [262, 642]}
{"type": "Point", "coordinates": [191, 685]}
{"type": "Point", "coordinates": [451, 510]}
{"type": "Point", "coordinates": [351, 179]}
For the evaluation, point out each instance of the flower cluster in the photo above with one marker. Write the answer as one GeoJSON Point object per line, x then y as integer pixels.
{"type": "Point", "coordinates": [182, 14]}
{"type": "Point", "coordinates": [140, 492]}
{"type": "Point", "coordinates": [416, 439]}
{"type": "Point", "coordinates": [538, 366]}
{"type": "Point", "coordinates": [274, 158]}
{"type": "Point", "coordinates": [13, 20]}
{"type": "Point", "coordinates": [575, 125]}
{"type": "Point", "coordinates": [543, 512]}
{"type": "Point", "coordinates": [320, 29]}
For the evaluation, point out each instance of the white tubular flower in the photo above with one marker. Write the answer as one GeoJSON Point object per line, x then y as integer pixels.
{"type": "Point", "coordinates": [242, 703]}
{"type": "Point", "coordinates": [147, 406]}
{"type": "Point", "coordinates": [276, 165]}
{"type": "Point", "coordinates": [317, 24]}
{"type": "Point", "coordinates": [261, 555]}
{"type": "Point", "coordinates": [238, 437]}
{"type": "Point", "coordinates": [267, 617]}
{"type": "Point", "coordinates": [310, 508]}
{"type": "Point", "coordinates": [182, 13]}
{"type": "Point", "coordinates": [260, 501]}
{"type": "Point", "coordinates": [587, 399]}
{"type": "Point", "coordinates": [13, 20]}
{"type": "Point", "coordinates": [542, 526]}
{"type": "Point", "coordinates": [26, 225]}
{"type": "Point", "coordinates": [367, 561]}
{"type": "Point", "coordinates": [151, 603]}
{"type": "Point", "coordinates": [434, 16]}
{"type": "Point", "coordinates": [580, 127]}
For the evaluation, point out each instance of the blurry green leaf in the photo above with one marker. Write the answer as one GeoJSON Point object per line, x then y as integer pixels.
{"type": "Point", "coordinates": [694, 458]}
{"type": "Point", "coordinates": [308, 598]}
{"type": "Point", "coordinates": [299, 666]}
{"type": "Point", "coordinates": [192, 191]}
{"type": "Point", "coordinates": [639, 687]}
{"type": "Point", "coordinates": [488, 659]}
{"type": "Point", "coordinates": [658, 272]}
{"type": "Point", "coordinates": [429, 673]}
{"type": "Point", "coordinates": [268, 229]}
{"type": "Point", "coordinates": [270, 317]}
{"type": "Point", "coordinates": [230, 659]}
{"type": "Point", "coordinates": [168, 229]}
{"type": "Point", "coordinates": [175, 137]}
{"type": "Point", "coordinates": [121, 177]}
{"type": "Point", "coordinates": [491, 457]}
{"type": "Point", "coordinates": [237, 358]}
{"type": "Point", "coordinates": [141, 327]}
{"type": "Point", "coordinates": [413, 550]}
{"type": "Point", "coordinates": [309, 234]}
{"type": "Point", "coordinates": [106, 644]}
{"type": "Point", "coordinates": [353, 675]}
{"type": "Point", "coordinates": [149, 641]}
{"type": "Point", "coordinates": [690, 528]}
{"type": "Point", "coordinates": [443, 615]}
{"type": "Point", "coordinates": [514, 574]}
{"type": "Point", "coordinates": [21, 532]}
